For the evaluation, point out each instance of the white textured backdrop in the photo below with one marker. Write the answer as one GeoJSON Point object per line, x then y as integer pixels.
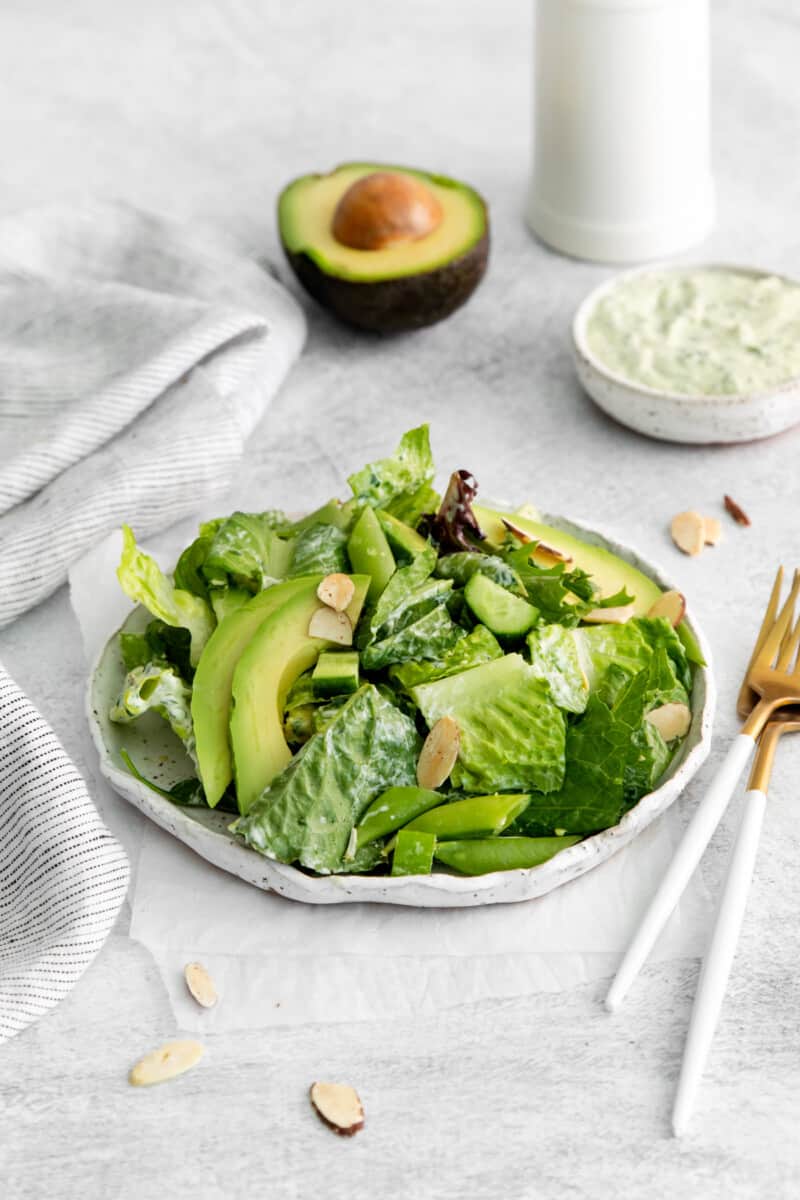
{"type": "Point", "coordinates": [203, 108]}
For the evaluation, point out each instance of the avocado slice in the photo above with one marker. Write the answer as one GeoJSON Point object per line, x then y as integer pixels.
{"type": "Point", "coordinates": [609, 572]}
{"type": "Point", "coordinates": [213, 681]}
{"type": "Point", "coordinates": [275, 656]}
{"type": "Point", "coordinates": [356, 241]}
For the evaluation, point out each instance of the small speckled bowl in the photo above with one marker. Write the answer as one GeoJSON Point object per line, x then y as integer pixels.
{"type": "Point", "coordinates": [675, 416]}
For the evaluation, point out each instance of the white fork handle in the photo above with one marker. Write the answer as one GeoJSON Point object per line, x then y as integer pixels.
{"type": "Point", "coordinates": [688, 854]}
{"type": "Point", "coordinates": [719, 957]}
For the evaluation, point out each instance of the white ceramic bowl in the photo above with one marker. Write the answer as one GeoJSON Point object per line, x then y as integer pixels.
{"type": "Point", "coordinates": [676, 416]}
{"type": "Point", "coordinates": [160, 756]}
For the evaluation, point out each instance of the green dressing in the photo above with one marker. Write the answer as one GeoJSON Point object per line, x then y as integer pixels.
{"type": "Point", "coordinates": [709, 332]}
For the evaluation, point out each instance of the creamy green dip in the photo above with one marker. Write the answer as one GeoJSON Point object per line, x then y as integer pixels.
{"type": "Point", "coordinates": [713, 332]}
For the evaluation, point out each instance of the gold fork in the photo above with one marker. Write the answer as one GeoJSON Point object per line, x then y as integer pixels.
{"type": "Point", "coordinates": [719, 957]}
{"type": "Point", "coordinates": [774, 678]}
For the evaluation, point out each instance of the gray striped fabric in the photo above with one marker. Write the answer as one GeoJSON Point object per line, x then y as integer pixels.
{"type": "Point", "coordinates": [136, 356]}
{"type": "Point", "coordinates": [63, 877]}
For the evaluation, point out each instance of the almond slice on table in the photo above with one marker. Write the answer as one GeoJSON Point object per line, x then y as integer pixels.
{"type": "Point", "coordinates": [712, 531]}
{"type": "Point", "coordinates": [610, 616]}
{"type": "Point", "coordinates": [200, 984]}
{"type": "Point", "coordinates": [736, 511]}
{"type": "Point", "coordinates": [671, 606]}
{"type": "Point", "coordinates": [332, 625]}
{"type": "Point", "coordinates": [439, 753]}
{"type": "Point", "coordinates": [336, 591]}
{"type": "Point", "coordinates": [339, 1107]}
{"type": "Point", "coordinates": [671, 720]}
{"type": "Point", "coordinates": [173, 1058]}
{"type": "Point", "coordinates": [688, 530]}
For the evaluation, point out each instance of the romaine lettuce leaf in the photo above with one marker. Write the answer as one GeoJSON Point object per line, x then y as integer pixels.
{"type": "Point", "coordinates": [429, 636]}
{"type": "Point", "coordinates": [247, 552]}
{"type": "Point", "coordinates": [401, 594]}
{"type": "Point", "coordinates": [555, 660]}
{"type": "Point", "coordinates": [307, 812]}
{"type": "Point", "coordinates": [659, 632]}
{"type": "Point", "coordinates": [158, 689]}
{"type": "Point", "coordinates": [188, 573]}
{"type": "Point", "coordinates": [602, 646]}
{"type": "Point", "coordinates": [319, 550]}
{"type": "Point", "coordinates": [143, 581]}
{"type": "Point", "coordinates": [400, 484]}
{"type": "Point", "coordinates": [477, 647]}
{"type": "Point", "coordinates": [512, 734]}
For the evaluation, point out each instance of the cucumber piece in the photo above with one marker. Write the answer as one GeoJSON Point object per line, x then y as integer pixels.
{"type": "Point", "coordinates": [336, 674]}
{"type": "Point", "coordinates": [413, 853]}
{"type": "Point", "coordinates": [475, 817]}
{"type": "Point", "coordinates": [392, 809]}
{"type": "Point", "coordinates": [370, 554]}
{"type": "Point", "coordinates": [500, 611]}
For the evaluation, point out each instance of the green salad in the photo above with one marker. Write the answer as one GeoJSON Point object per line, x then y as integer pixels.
{"type": "Point", "coordinates": [403, 682]}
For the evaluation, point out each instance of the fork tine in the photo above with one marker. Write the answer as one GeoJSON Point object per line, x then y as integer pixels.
{"type": "Point", "coordinates": [789, 642]}
{"type": "Point", "coordinates": [771, 643]}
{"type": "Point", "coordinates": [747, 696]}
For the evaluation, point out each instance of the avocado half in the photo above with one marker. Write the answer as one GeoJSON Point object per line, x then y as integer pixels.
{"type": "Point", "coordinates": [417, 243]}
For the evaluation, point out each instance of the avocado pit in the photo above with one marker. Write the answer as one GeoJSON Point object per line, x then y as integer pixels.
{"type": "Point", "coordinates": [385, 208]}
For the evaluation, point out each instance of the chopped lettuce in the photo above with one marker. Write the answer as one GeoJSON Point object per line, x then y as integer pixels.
{"type": "Point", "coordinates": [430, 636]}
{"type": "Point", "coordinates": [246, 552]}
{"type": "Point", "coordinates": [410, 619]}
{"type": "Point", "coordinates": [156, 688]}
{"type": "Point", "coordinates": [461, 566]}
{"type": "Point", "coordinates": [477, 647]}
{"type": "Point", "coordinates": [319, 550]}
{"type": "Point", "coordinates": [144, 582]}
{"type": "Point", "coordinates": [512, 734]}
{"type": "Point", "coordinates": [188, 573]}
{"type": "Point", "coordinates": [401, 484]}
{"type": "Point", "coordinates": [603, 646]}
{"type": "Point", "coordinates": [555, 660]}
{"type": "Point", "coordinates": [561, 596]}
{"type": "Point", "coordinates": [308, 812]}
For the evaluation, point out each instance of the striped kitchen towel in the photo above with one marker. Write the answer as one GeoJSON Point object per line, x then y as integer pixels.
{"type": "Point", "coordinates": [63, 877]}
{"type": "Point", "coordinates": [136, 356]}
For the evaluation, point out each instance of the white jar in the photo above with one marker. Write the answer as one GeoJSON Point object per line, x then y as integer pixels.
{"type": "Point", "coordinates": [621, 164]}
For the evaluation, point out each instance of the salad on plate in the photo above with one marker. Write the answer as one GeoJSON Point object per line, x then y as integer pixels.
{"type": "Point", "coordinates": [402, 682]}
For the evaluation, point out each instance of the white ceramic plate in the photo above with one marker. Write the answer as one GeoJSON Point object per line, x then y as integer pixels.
{"type": "Point", "coordinates": [160, 756]}
{"type": "Point", "coordinates": [676, 416]}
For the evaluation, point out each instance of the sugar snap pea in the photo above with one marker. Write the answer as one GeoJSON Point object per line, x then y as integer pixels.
{"type": "Point", "coordinates": [479, 856]}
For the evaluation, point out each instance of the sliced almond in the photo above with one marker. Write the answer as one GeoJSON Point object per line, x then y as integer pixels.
{"type": "Point", "coordinates": [688, 532]}
{"type": "Point", "coordinates": [172, 1059]}
{"type": "Point", "coordinates": [671, 606]}
{"type": "Point", "coordinates": [331, 625]}
{"type": "Point", "coordinates": [336, 591]}
{"type": "Point", "coordinates": [610, 616]}
{"type": "Point", "coordinates": [547, 556]}
{"type": "Point", "coordinates": [439, 753]}
{"type": "Point", "coordinates": [518, 533]}
{"type": "Point", "coordinates": [339, 1107]}
{"type": "Point", "coordinates": [671, 720]}
{"type": "Point", "coordinates": [200, 984]}
{"type": "Point", "coordinates": [712, 530]}
{"type": "Point", "coordinates": [736, 511]}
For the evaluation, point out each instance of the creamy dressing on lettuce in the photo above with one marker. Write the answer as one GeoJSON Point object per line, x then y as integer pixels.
{"type": "Point", "coordinates": [709, 332]}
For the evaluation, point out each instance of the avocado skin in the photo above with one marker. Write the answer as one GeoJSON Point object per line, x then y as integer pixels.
{"type": "Point", "coordinates": [396, 305]}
